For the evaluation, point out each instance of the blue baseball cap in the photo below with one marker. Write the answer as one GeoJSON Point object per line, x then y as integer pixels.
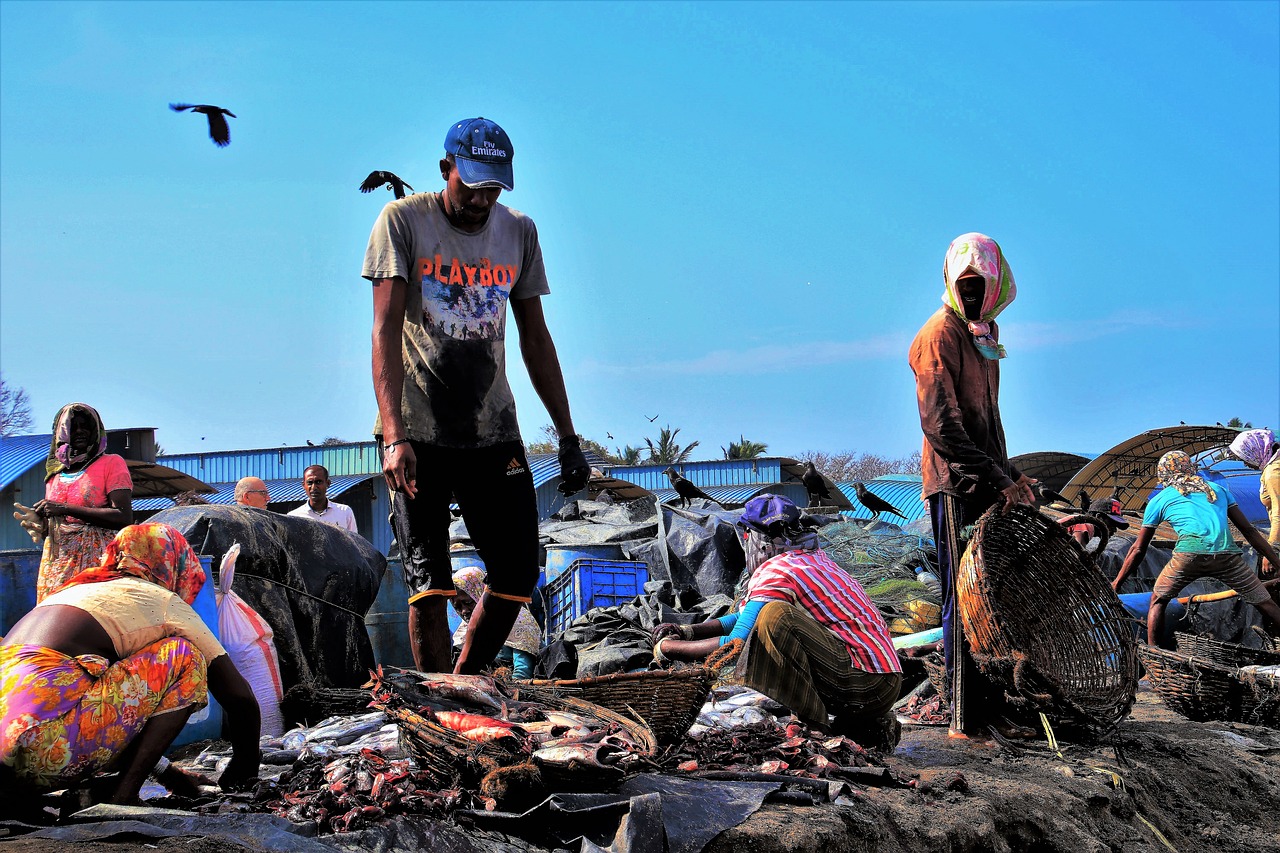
{"type": "Point", "coordinates": [483, 153]}
{"type": "Point", "coordinates": [764, 511]}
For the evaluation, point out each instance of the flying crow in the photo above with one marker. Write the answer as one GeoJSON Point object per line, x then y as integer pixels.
{"type": "Point", "coordinates": [874, 503]}
{"type": "Point", "coordinates": [685, 489]}
{"type": "Point", "coordinates": [218, 130]}
{"type": "Point", "coordinates": [651, 419]}
{"type": "Point", "coordinates": [390, 179]}
{"type": "Point", "coordinates": [819, 494]}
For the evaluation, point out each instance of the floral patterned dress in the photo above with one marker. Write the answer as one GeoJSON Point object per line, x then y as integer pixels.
{"type": "Point", "coordinates": [74, 544]}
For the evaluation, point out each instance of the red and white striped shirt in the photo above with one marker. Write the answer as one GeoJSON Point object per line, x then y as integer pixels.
{"type": "Point", "coordinates": [812, 581]}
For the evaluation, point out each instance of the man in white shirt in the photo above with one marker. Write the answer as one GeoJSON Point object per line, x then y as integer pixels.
{"type": "Point", "coordinates": [315, 482]}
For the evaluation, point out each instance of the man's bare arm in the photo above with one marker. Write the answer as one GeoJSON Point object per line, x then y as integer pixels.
{"type": "Point", "coordinates": [1137, 551]}
{"type": "Point", "coordinates": [542, 362]}
{"type": "Point", "coordinates": [399, 465]}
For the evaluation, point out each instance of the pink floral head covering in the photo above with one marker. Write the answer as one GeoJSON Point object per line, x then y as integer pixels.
{"type": "Point", "coordinates": [61, 456]}
{"type": "Point", "coordinates": [1177, 470]}
{"type": "Point", "coordinates": [154, 552]}
{"type": "Point", "coordinates": [981, 254]}
{"type": "Point", "coordinates": [1255, 448]}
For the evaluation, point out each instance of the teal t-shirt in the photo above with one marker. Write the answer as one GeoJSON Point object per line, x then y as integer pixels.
{"type": "Point", "coordinates": [1201, 525]}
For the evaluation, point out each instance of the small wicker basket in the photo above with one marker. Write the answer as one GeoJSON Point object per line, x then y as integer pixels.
{"type": "Point", "coordinates": [665, 700]}
{"type": "Point", "coordinates": [1196, 688]}
{"type": "Point", "coordinates": [1223, 653]}
{"type": "Point", "coordinates": [1043, 624]}
{"type": "Point", "coordinates": [1259, 698]}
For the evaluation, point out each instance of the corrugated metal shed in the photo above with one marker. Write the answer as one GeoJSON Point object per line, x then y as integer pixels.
{"type": "Point", "coordinates": [740, 494]}
{"type": "Point", "coordinates": [901, 490]}
{"type": "Point", "coordinates": [1053, 468]}
{"type": "Point", "coordinates": [18, 453]}
{"type": "Point", "coordinates": [282, 491]}
{"type": "Point", "coordinates": [714, 472]}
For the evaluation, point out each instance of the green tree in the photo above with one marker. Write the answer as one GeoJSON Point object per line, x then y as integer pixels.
{"type": "Point", "coordinates": [628, 455]}
{"type": "Point", "coordinates": [665, 451]}
{"type": "Point", "coordinates": [332, 440]}
{"type": "Point", "coordinates": [1236, 423]}
{"type": "Point", "coordinates": [744, 449]}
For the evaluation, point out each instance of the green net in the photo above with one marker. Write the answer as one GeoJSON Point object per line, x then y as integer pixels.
{"type": "Point", "coordinates": [884, 563]}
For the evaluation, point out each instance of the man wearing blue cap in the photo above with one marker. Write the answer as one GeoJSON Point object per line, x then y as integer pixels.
{"type": "Point", "coordinates": [444, 266]}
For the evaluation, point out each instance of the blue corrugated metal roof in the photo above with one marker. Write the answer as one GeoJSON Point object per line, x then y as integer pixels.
{"type": "Point", "coordinates": [901, 490]}
{"type": "Point", "coordinates": [727, 494]}
{"type": "Point", "coordinates": [712, 472]}
{"type": "Point", "coordinates": [18, 453]}
{"type": "Point", "coordinates": [282, 491]}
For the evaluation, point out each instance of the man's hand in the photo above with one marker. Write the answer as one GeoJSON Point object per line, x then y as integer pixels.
{"type": "Point", "coordinates": [1018, 493]}
{"type": "Point", "coordinates": [1266, 570]}
{"type": "Point", "coordinates": [669, 629]}
{"type": "Point", "coordinates": [183, 783]}
{"type": "Point", "coordinates": [574, 470]}
{"type": "Point", "coordinates": [400, 468]}
{"type": "Point", "coordinates": [240, 773]}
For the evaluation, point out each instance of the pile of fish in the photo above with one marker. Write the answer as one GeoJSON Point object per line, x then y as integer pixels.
{"type": "Point", "coordinates": [768, 746]}
{"type": "Point", "coordinates": [511, 729]}
{"type": "Point", "coordinates": [929, 711]}
{"type": "Point", "coordinates": [352, 791]}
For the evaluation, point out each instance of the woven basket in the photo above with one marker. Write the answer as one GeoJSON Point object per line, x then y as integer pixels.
{"type": "Point", "coordinates": [936, 666]}
{"type": "Point", "coordinates": [666, 700]}
{"type": "Point", "coordinates": [1259, 698]}
{"type": "Point", "coordinates": [451, 758]}
{"type": "Point", "coordinates": [1196, 688]}
{"type": "Point", "coordinates": [1043, 624]}
{"type": "Point", "coordinates": [1224, 653]}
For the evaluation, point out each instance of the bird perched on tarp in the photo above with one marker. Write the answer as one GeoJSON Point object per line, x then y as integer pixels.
{"type": "Point", "coordinates": [685, 489]}
{"type": "Point", "coordinates": [875, 503]}
{"type": "Point", "coordinates": [1048, 495]}
{"type": "Point", "coordinates": [219, 131]}
{"type": "Point", "coordinates": [819, 494]}
{"type": "Point", "coordinates": [391, 180]}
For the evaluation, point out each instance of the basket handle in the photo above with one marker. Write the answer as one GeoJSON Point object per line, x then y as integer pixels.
{"type": "Point", "coordinates": [725, 655]}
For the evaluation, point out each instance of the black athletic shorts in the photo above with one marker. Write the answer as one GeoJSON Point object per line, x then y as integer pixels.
{"type": "Point", "coordinates": [494, 488]}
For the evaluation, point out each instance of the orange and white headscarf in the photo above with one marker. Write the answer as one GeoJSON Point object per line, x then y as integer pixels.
{"type": "Point", "coordinates": [1177, 470]}
{"type": "Point", "coordinates": [153, 552]}
{"type": "Point", "coordinates": [978, 252]}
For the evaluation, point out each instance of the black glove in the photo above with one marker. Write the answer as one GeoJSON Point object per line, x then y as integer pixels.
{"type": "Point", "coordinates": [574, 470]}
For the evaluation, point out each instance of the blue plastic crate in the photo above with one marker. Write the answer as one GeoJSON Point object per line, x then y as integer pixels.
{"type": "Point", "coordinates": [589, 583]}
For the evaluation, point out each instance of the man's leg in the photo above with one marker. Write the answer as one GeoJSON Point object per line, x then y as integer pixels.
{"type": "Point", "coordinates": [1232, 570]}
{"type": "Point", "coordinates": [500, 508]}
{"type": "Point", "coordinates": [1155, 620]}
{"type": "Point", "coordinates": [1180, 571]}
{"type": "Point", "coordinates": [421, 527]}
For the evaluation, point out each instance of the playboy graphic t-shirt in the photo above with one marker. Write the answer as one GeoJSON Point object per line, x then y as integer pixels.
{"type": "Point", "coordinates": [455, 385]}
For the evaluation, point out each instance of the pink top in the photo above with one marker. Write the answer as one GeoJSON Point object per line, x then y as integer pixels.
{"type": "Point", "coordinates": [90, 487]}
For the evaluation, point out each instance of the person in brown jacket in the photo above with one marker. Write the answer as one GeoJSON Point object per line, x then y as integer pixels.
{"type": "Point", "coordinates": [956, 361]}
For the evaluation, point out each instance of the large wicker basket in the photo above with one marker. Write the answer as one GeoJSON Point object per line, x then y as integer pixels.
{"type": "Point", "coordinates": [1043, 624]}
{"type": "Point", "coordinates": [1223, 653]}
{"type": "Point", "coordinates": [1196, 688]}
{"type": "Point", "coordinates": [451, 758]}
{"type": "Point", "coordinates": [666, 700]}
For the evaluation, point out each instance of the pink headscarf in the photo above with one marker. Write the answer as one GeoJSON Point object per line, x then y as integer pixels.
{"type": "Point", "coordinates": [978, 252]}
{"type": "Point", "coordinates": [1255, 448]}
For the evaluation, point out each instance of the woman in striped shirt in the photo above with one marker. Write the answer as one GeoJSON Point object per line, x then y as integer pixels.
{"type": "Point", "coordinates": [814, 640]}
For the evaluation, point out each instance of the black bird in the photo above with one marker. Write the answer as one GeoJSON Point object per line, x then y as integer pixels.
{"type": "Point", "coordinates": [1048, 495]}
{"type": "Point", "coordinates": [390, 179]}
{"type": "Point", "coordinates": [219, 132]}
{"type": "Point", "coordinates": [815, 486]}
{"type": "Point", "coordinates": [875, 503]}
{"type": "Point", "coordinates": [1083, 500]}
{"type": "Point", "coordinates": [685, 489]}
{"type": "Point", "coordinates": [310, 443]}
{"type": "Point", "coordinates": [651, 419]}
{"type": "Point", "coordinates": [610, 435]}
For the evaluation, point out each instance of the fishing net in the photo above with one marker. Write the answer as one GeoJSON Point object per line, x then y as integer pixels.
{"type": "Point", "coordinates": [883, 562]}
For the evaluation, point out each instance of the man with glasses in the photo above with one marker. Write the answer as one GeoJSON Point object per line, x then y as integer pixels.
{"type": "Point", "coordinates": [251, 491]}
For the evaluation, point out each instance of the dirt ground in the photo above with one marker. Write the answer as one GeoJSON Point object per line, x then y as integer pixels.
{"type": "Point", "coordinates": [1186, 781]}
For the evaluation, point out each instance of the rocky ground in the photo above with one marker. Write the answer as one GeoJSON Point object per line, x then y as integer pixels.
{"type": "Point", "coordinates": [1164, 783]}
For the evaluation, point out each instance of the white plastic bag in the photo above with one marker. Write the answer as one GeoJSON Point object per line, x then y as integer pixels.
{"type": "Point", "coordinates": [247, 638]}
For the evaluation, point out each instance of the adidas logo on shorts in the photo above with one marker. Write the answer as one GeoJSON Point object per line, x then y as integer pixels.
{"type": "Point", "coordinates": [514, 467]}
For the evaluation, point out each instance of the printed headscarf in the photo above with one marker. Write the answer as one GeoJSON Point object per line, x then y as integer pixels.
{"type": "Point", "coordinates": [60, 453]}
{"type": "Point", "coordinates": [1256, 448]}
{"type": "Point", "coordinates": [154, 552]}
{"type": "Point", "coordinates": [1177, 470]}
{"type": "Point", "coordinates": [981, 254]}
{"type": "Point", "coordinates": [525, 634]}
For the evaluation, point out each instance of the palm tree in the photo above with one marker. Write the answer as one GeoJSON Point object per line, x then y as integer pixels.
{"type": "Point", "coordinates": [628, 455]}
{"type": "Point", "coordinates": [665, 451]}
{"type": "Point", "coordinates": [744, 449]}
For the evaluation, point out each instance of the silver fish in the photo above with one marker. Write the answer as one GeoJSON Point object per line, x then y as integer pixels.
{"type": "Point", "coordinates": [590, 754]}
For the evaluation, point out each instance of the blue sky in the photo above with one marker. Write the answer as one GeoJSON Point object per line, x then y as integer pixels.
{"type": "Point", "coordinates": [743, 208]}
